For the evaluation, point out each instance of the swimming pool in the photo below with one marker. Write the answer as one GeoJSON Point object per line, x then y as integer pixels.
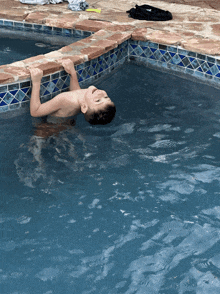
{"type": "Point", "coordinates": [16, 45]}
{"type": "Point", "coordinates": [132, 207]}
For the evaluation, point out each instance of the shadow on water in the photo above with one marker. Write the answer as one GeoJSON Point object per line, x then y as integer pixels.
{"type": "Point", "coordinates": [131, 207]}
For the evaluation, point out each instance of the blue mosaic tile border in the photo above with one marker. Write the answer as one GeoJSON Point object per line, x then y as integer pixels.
{"type": "Point", "coordinates": [17, 95]}
{"type": "Point", "coordinates": [38, 28]}
{"type": "Point", "coordinates": [201, 66]}
{"type": "Point", "coordinates": [175, 58]}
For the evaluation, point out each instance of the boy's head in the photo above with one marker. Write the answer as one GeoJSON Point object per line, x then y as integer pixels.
{"type": "Point", "coordinates": [98, 107]}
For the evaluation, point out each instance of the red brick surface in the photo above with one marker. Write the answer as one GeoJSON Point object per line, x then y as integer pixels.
{"type": "Point", "coordinates": [215, 5]}
{"type": "Point", "coordinates": [86, 40]}
{"type": "Point", "coordinates": [6, 78]}
{"type": "Point", "coordinates": [76, 59]}
{"type": "Point", "coordinates": [120, 37]}
{"type": "Point", "coordinates": [36, 17]}
{"type": "Point", "coordinates": [90, 25]}
{"type": "Point", "coordinates": [193, 28]}
{"type": "Point", "coordinates": [100, 33]}
{"type": "Point", "coordinates": [121, 28]}
{"type": "Point", "coordinates": [216, 29]}
{"type": "Point", "coordinates": [67, 22]}
{"type": "Point", "coordinates": [166, 38]}
{"type": "Point", "coordinates": [21, 73]}
{"type": "Point", "coordinates": [140, 34]}
{"type": "Point", "coordinates": [65, 49]}
{"type": "Point", "coordinates": [210, 4]}
{"type": "Point", "coordinates": [205, 46]}
{"type": "Point", "coordinates": [105, 44]}
{"type": "Point", "coordinates": [93, 52]}
{"type": "Point", "coordinates": [33, 59]}
{"type": "Point", "coordinates": [48, 67]}
{"type": "Point", "coordinates": [17, 15]}
{"type": "Point", "coordinates": [78, 46]}
{"type": "Point", "coordinates": [116, 16]}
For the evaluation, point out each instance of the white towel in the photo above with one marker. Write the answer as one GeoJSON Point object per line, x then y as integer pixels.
{"type": "Point", "coordinates": [75, 5]}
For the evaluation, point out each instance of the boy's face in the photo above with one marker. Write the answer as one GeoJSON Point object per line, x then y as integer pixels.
{"type": "Point", "coordinates": [97, 99]}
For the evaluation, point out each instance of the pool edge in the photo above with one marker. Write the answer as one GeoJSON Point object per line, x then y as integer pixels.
{"type": "Point", "coordinates": [100, 51]}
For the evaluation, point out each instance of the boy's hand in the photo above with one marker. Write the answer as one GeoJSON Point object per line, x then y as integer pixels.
{"type": "Point", "coordinates": [36, 75]}
{"type": "Point", "coordinates": [68, 66]}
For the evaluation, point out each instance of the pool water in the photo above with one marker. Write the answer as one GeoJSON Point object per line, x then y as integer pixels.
{"type": "Point", "coordinates": [19, 45]}
{"type": "Point", "coordinates": [131, 207]}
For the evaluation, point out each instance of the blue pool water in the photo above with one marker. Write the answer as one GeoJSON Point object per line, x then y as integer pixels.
{"type": "Point", "coordinates": [131, 207]}
{"type": "Point", "coordinates": [19, 45]}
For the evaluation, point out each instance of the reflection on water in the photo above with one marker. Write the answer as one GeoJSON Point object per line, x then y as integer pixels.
{"type": "Point", "coordinates": [132, 207]}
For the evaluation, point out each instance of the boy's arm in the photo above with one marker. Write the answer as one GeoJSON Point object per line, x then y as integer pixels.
{"type": "Point", "coordinates": [69, 68]}
{"type": "Point", "coordinates": [36, 108]}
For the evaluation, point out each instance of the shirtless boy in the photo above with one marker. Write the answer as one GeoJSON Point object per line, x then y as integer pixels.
{"type": "Point", "coordinates": [95, 104]}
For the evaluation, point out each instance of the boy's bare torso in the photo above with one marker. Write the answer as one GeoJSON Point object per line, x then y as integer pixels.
{"type": "Point", "coordinates": [71, 103]}
{"type": "Point", "coordinates": [68, 103]}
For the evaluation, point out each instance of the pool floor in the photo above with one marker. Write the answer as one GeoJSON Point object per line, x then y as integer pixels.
{"type": "Point", "coordinates": [131, 207]}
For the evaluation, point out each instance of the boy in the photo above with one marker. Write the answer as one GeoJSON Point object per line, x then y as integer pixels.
{"type": "Point", "coordinates": [95, 104]}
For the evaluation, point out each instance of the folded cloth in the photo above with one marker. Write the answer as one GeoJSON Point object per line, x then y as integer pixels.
{"type": "Point", "coordinates": [77, 5]}
{"type": "Point", "coordinates": [41, 2]}
{"type": "Point", "coordinates": [56, 1]}
{"type": "Point", "coordinates": [147, 12]}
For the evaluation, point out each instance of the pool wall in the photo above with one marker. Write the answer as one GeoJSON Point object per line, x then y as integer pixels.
{"type": "Point", "coordinates": [17, 94]}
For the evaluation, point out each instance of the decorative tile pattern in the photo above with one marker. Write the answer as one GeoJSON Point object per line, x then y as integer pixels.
{"type": "Point", "coordinates": [23, 26]}
{"type": "Point", "coordinates": [15, 95]}
{"type": "Point", "coordinates": [175, 58]}
{"type": "Point", "coordinates": [18, 94]}
{"type": "Point", "coordinates": [102, 64]}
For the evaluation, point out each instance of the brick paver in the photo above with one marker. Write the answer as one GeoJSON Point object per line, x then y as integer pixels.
{"type": "Point", "coordinates": [195, 26]}
{"type": "Point", "coordinates": [211, 4]}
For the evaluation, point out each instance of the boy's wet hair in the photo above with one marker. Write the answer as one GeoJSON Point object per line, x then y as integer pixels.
{"type": "Point", "coordinates": [102, 117]}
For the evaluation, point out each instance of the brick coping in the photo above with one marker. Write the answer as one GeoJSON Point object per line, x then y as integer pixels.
{"type": "Point", "coordinates": [94, 56]}
{"type": "Point", "coordinates": [107, 35]}
{"type": "Point", "coordinates": [81, 51]}
{"type": "Point", "coordinates": [186, 50]}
